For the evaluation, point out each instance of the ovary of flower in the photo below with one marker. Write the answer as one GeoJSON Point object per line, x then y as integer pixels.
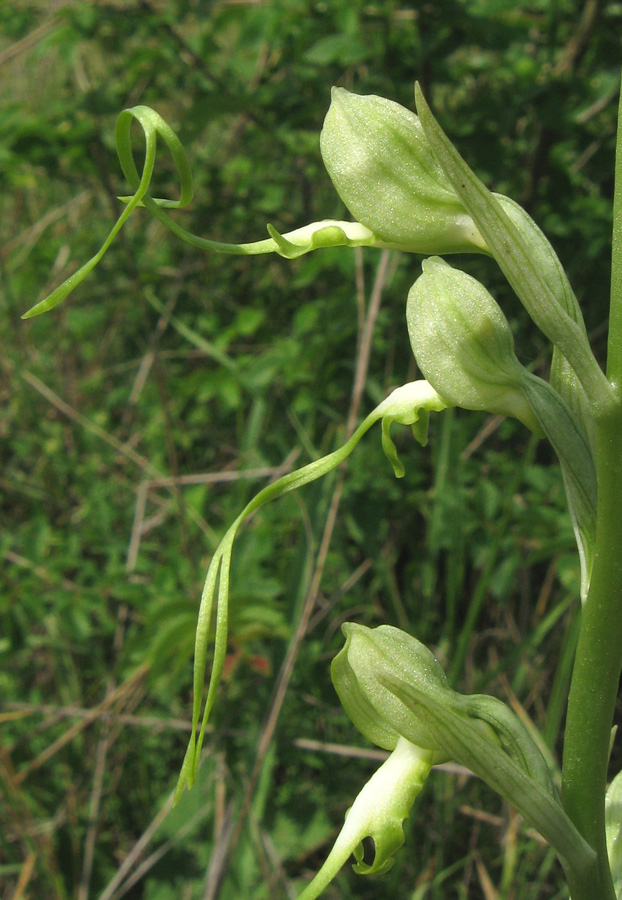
{"type": "Point", "coordinates": [377, 813]}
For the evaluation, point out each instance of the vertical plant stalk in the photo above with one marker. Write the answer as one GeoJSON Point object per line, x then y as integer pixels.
{"type": "Point", "coordinates": [614, 350]}
{"type": "Point", "coordinates": [598, 661]}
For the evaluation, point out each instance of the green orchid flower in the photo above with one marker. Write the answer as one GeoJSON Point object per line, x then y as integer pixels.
{"type": "Point", "coordinates": [396, 693]}
{"type": "Point", "coordinates": [378, 813]}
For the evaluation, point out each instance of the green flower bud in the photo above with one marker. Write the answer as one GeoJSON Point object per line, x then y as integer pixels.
{"type": "Point", "coordinates": [382, 166]}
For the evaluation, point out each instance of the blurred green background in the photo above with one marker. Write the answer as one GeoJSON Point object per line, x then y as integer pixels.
{"type": "Point", "coordinates": [140, 416]}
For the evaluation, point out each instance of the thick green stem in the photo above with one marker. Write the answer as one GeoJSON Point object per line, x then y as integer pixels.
{"type": "Point", "coordinates": [598, 659]}
{"type": "Point", "coordinates": [614, 353]}
{"type": "Point", "coordinates": [598, 662]}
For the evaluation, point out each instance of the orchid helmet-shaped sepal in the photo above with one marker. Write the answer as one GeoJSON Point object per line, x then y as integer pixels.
{"type": "Point", "coordinates": [384, 170]}
{"type": "Point", "coordinates": [463, 343]}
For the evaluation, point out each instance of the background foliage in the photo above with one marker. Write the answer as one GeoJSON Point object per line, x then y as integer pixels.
{"type": "Point", "coordinates": [140, 416]}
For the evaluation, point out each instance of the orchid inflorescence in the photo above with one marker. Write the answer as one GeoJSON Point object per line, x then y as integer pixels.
{"type": "Point", "coordinates": [408, 189]}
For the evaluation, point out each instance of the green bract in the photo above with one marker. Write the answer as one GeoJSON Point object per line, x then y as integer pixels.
{"type": "Point", "coordinates": [384, 170]}
{"type": "Point", "coordinates": [519, 248]}
{"type": "Point", "coordinates": [541, 253]}
{"type": "Point", "coordinates": [464, 346]}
